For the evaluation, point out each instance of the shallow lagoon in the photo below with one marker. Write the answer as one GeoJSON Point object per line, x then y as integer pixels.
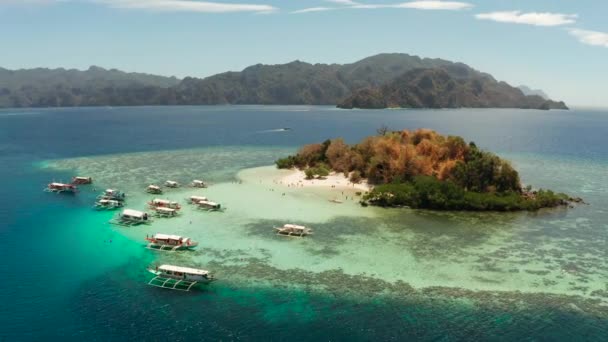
{"type": "Point", "coordinates": [367, 273]}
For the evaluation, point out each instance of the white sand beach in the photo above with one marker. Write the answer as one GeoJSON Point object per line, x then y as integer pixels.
{"type": "Point", "coordinates": [297, 178]}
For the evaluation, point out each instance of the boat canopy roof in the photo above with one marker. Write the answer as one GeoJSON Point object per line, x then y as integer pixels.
{"type": "Point", "coordinates": [110, 191]}
{"type": "Point", "coordinates": [167, 210]}
{"type": "Point", "coordinates": [82, 178]}
{"type": "Point", "coordinates": [294, 226]}
{"type": "Point", "coordinates": [183, 269]}
{"type": "Point", "coordinates": [152, 186]}
{"type": "Point", "coordinates": [208, 203]}
{"type": "Point", "coordinates": [198, 181]}
{"type": "Point", "coordinates": [60, 184]}
{"type": "Point", "coordinates": [168, 237]}
{"type": "Point", "coordinates": [171, 182]}
{"type": "Point", "coordinates": [198, 198]}
{"type": "Point", "coordinates": [108, 201]}
{"type": "Point", "coordinates": [133, 213]}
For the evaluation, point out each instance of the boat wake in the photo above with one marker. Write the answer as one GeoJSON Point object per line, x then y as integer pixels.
{"type": "Point", "coordinates": [276, 130]}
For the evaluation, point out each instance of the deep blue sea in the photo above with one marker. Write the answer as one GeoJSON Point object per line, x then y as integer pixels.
{"type": "Point", "coordinates": [61, 279]}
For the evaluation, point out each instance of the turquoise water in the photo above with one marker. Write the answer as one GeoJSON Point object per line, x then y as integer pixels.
{"type": "Point", "coordinates": [367, 274]}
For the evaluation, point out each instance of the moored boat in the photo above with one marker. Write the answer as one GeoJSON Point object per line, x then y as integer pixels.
{"type": "Point", "coordinates": [209, 206]}
{"type": "Point", "coordinates": [108, 204]}
{"type": "Point", "coordinates": [293, 230]}
{"type": "Point", "coordinates": [61, 188]}
{"type": "Point", "coordinates": [178, 277]}
{"type": "Point", "coordinates": [78, 180]}
{"type": "Point", "coordinates": [164, 203]}
{"type": "Point", "coordinates": [196, 199]}
{"type": "Point", "coordinates": [171, 184]}
{"type": "Point", "coordinates": [130, 217]}
{"type": "Point", "coordinates": [165, 212]}
{"type": "Point", "coordinates": [154, 189]}
{"type": "Point", "coordinates": [197, 183]}
{"type": "Point", "coordinates": [111, 194]}
{"type": "Point", "coordinates": [170, 242]}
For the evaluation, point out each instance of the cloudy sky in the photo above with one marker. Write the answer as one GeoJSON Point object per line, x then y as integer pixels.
{"type": "Point", "coordinates": [560, 46]}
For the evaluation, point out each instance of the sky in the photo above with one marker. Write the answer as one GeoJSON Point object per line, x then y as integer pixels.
{"type": "Point", "coordinates": [559, 46]}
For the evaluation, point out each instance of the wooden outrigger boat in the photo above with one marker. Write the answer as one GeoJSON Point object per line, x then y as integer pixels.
{"type": "Point", "coordinates": [61, 188]}
{"type": "Point", "coordinates": [154, 189]}
{"type": "Point", "coordinates": [171, 184]}
{"type": "Point", "coordinates": [164, 242]}
{"type": "Point", "coordinates": [108, 204]}
{"type": "Point", "coordinates": [196, 199]}
{"type": "Point", "coordinates": [82, 180]}
{"type": "Point", "coordinates": [163, 203]}
{"type": "Point", "coordinates": [165, 212]}
{"type": "Point", "coordinates": [293, 230]}
{"type": "Point", "coordinates": [210, 206]}
{"type": "Point", "coordinates": [130, 217]}
{"type": "Point", "coordinates": [178, 277]}
{"type": "Point", "coordinates": [111, 194]}
{"type": "Point", "coordinates": [197, 183]}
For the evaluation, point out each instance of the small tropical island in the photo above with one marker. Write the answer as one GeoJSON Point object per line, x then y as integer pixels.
{"type": "Point", "coordinates": [425, 170]}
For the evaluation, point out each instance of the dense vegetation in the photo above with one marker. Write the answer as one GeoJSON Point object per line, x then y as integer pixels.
{"type": "Point", "coordinates": [451, 86]}
{"type": "Point", "coordinates": [292, 83]}
{"type": "Point", "coordinates": [422, 169]}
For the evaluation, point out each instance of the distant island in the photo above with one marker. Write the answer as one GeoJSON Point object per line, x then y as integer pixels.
{"type": "Point", "coordinates": [423, 169]}
{"type": "Point", "coordinates": [381, 81]}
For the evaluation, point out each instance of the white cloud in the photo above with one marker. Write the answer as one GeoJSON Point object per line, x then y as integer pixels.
{"type": "Point", "coordinates": [344, 2]}
{"type": "Point", "coordinates": [435, 5]}
{"type": "Point", "coordinates": [314, 9]}
{"type": "Point", "coordinates": [188, 6]}
{"type": "Point", "coordinates": [420, 5]}
{"type": "Point", "coordinates": [590, 37]}
{"type": "Point", "coordinates": [531, 18]}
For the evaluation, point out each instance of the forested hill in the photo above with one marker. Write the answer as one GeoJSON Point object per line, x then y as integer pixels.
{"type": "Point", "coordinates": [292, 83]}
{"type": "Point", "coordinates": [42, 87]}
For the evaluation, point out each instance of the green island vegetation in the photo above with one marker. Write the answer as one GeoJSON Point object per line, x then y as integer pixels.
{"type": "Point", "coordinates": [423, 169]}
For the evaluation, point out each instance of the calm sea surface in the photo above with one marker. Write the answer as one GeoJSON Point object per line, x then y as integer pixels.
{"type": "Point", "coordinates": [66, 274]}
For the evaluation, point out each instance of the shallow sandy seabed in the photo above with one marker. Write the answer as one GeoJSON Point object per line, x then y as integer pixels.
{"type": "Point", "coordinates": [418, 249]}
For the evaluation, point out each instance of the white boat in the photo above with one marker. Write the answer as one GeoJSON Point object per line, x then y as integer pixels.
{"type": "Point", "coordinates": [171, 184]}
{"type": "Point", "coordinates": [111, 194]}
{"type": "Point", "coordinates": [196, 199]}
{"type": "Point", "coordinates": [293, 230]}
{"type": "Point", "coordinates": [130, 217]}
{"type": "Point", "coordinates": [108, 204]}
{"type": "Point", "coordinates": [154, 189]}
{"type": "Point", "coordinates": [178, 277]}
{"type": "Point", "coordinates": [165, 212]}
{"type": "Point", "coordinates": [170, 242]}
{"type": "Point", "coordinates": [197, 183]}
{"type": "Point", "coordinates": [164, 203]}
{"type": "Point", "coordinates": [209, 206]}
{"type": "Point", "coordinates": [61, 188]}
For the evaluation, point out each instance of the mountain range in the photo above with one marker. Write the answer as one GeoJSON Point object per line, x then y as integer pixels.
{"type": "Point", "coordinates": [299, 83]}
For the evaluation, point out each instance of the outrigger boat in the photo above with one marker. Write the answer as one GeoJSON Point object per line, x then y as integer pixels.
{"type": "Point", "coordinates": [293, 230]}
{"type": "Point", "coordinates": [130, 217]}
{"type": "Point", "coordinates": [196, 199]}
{"type": "Point", "coordinates": [197, 183]}
{"type": "Point", "coordinates": [178, 278]}
{"type": "Point", "coordinates": [154, 189]}
{"type": "Point", "coordinates": [108, 204]}
{"type": "Point", "coordinates": [172, 243]}
{"type": "Point", "coordinates": [111, 194]}
{"type": "Point", "coordinates": [165, 212]}
{"type": "Point", "coordinates": [210, 206]}
{"type": "Point", "coordinates": [61, 188]}
{"type": "Point", "coordinates": [171, 184]}
{"type": "Point", "coordinates": [158, 203]}
{"type": "Point", "coordinates": [82, 180]}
